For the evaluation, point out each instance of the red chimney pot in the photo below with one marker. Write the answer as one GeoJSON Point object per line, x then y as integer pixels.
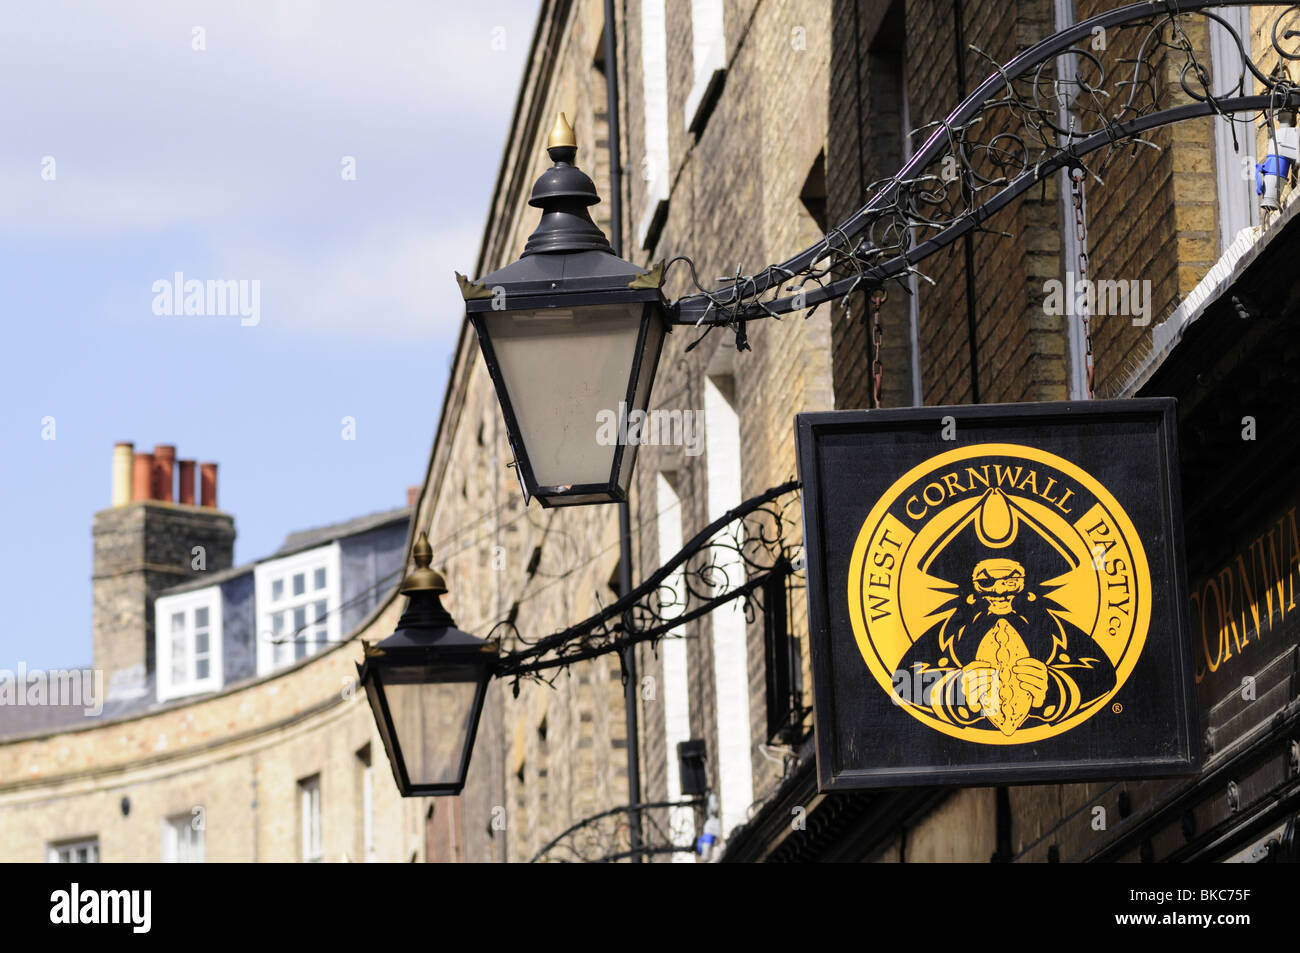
{"type": "Point", "coordinates": [142, 477]}
{"type": "Point", "coordinates": [186, 494]}
{"type": "Point", "coordinates": [164, 458]}
{"type": "Point", "coordinates": [208, 485]}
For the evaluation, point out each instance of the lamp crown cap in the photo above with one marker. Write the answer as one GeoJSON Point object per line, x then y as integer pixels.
{"type": "Point", "coordinates": [563, 193]}
{"type": "Point", "coordinates": [423, 579]}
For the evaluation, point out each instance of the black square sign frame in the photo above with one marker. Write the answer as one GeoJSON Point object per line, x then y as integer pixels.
{"type": "Point", "coordinates": [997, 594]}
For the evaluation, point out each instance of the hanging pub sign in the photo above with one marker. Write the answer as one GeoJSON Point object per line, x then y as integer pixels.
{"type": "Point", "coordinates": [997, 594]}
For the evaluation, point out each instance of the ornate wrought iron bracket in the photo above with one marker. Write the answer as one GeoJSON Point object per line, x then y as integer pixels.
{"type": "Point", "coordinates": [602, 838]}
{"type": "Point", "coordinates": [731, 558]}
{"type": "Point", "coordinates": [1007, 136]}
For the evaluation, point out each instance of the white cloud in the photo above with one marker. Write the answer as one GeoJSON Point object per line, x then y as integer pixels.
{"type": "Point", "coordinates": [237, 148]}
{"type": "Point", "coordinates": [395, 284]}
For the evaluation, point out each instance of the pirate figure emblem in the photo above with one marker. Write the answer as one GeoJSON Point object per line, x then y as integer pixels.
{"type": "Point", "coordinates": [999, 594]}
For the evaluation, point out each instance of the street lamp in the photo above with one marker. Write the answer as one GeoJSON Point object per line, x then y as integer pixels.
{"type": "Point", "coordinates": [571, 334]}
{"type": "Point", "coordinates": [426, 685]}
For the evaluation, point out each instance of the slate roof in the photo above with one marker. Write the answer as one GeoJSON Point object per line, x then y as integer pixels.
{"type": "Point", "coordinates": [205, 579]}
{"type": "Point", "coordinates": [18, 720]}
{"type": "Point", "coordinates": [311, 538]}
{"type": "Point", "coordinates": [297, 542]}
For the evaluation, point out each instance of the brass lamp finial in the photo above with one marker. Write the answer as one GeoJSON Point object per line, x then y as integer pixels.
{"type": "Point", "coordinates": [423, 579]}
{"type": "Point", "coordinates": [562, 134]}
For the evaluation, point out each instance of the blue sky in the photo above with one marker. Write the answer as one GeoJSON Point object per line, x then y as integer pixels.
{"type": "Point", "coordinates": [225, 163]}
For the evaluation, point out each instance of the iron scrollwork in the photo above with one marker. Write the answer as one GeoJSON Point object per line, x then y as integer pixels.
{"type": "Point", "coordinates": [729, 559]}
{"type": "Point", "coordinates": [603, 837]}
{"type": "Point", "coordinates": [1050, 107]}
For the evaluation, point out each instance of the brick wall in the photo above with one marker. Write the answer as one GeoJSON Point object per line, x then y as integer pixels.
{"type": "Point", "coordinates": [736, 202]}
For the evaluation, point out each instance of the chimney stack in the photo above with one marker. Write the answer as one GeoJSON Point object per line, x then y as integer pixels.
{"type": "Point", "coordinates": [164, 459]}
{"type": "Point", "coordinates": [186, 494]}
{"type": "Point", "coordinates": [142, 481]}
{"type": "Point", "coordinates": [208, 485]}
{"type": "Point", "coordinates": [140, 551]}
{"type": "Point", "coordinates": [123, 454]}
{"type": "Point", "coordinates": [412, 495]}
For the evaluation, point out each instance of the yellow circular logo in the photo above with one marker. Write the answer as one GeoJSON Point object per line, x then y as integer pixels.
{"type": "Point", "coordinates": [999, 594]}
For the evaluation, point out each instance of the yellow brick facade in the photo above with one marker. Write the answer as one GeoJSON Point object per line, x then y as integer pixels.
{"type": "Point", "coordinates": [237, 757]}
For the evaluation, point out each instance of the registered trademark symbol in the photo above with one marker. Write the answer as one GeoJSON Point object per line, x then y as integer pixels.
{"type": "Point", "coordinates": [1117, 708]}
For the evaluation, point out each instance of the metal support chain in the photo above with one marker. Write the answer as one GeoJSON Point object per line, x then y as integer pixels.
{"type": "Point", "coordinates": [1077, 197]}
{"type": "Point", "coordinates": [877, 297]}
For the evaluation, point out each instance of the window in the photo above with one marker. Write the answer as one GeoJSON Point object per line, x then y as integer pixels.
{"type": "Point", "coordinates": [783, 669]}
{"type": "Point", "coordinates": [183, 838]}
{"type": "Point", "coordinates": [85, 851]}
{"type": "Point", "coordinates": [367, 805]}
{"type": "Point", "coordinates": [676, 686]}
{"type": "Point", "coordinates": [813, 193]}
{"type": "Point", "coordinates": [709, 46]}
{"type": "Point", "coordinates": [187, 642]}
{"type": "Point", "coordinates": [200, 633]}
{"type": "Point", "coordinates": [654, 86]}
{"type": "Point", "coordinates": [300, 633]}
{"type": "Point", "coordinates": [730, 651]}
{"type": "Point", "coordinates": [309, 815]}
{"type": "Point", "coordinates": [180, 648]}
{"type": "Point", "coordinates": [297, 606]}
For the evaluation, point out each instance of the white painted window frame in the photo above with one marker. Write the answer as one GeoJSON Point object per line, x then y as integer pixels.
{"type": "Point", "coordinates": [709, 50]}
{"type": "Point", "coordinates": [64, 852]}
{"type": "Point", "coordinates": [266, 573]}
{"type": "Point", "coordinates": [309, 816]}
{"type": "Point", "coordinates": [186, 604]}
{"type": "Point", "coordinates": [655, 169]}
{"type": "Point", "coordinates": [183, 843]}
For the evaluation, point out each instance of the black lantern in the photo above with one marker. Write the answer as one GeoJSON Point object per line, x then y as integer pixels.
{"type": "Point", "coordinates": [426, 684]}
{"type": "Point", "coordinates": [571, 334]}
